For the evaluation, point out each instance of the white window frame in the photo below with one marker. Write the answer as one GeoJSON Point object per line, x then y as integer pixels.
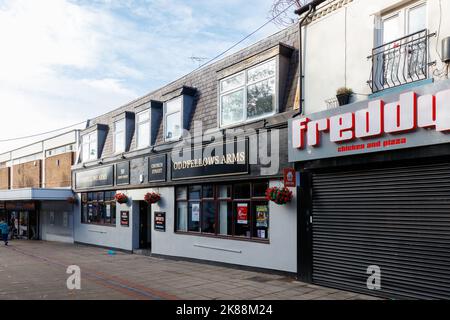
{"type": "Point", "coordinates": [245, 87]}
{"type": "Point", "coordinates": [89, 143]}
{"type": "Point", "coordinates": [143, 123]}
{"type": "Point", "coordinates": [403, 14]}
{"type": "Point", "coordinates": [123, 147]}
{"type": "Point", "coordinates": [167, 114]}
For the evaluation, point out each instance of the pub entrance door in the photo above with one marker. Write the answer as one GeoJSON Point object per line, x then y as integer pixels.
{"type": "Point", "coordinates": [145, 221]}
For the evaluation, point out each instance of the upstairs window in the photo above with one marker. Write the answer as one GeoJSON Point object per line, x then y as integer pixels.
{"type": "Point", "coordinates": [143, 129]}
{"type": "Point", "coordinates": [89, 146]}
{"type": "Point", "coordinates": [119, 136]}
{"type": "Point", "coordinates": [173, 119]}
{"type": "Point", "coordinates": [403, 22]}
{"type": "Point", "coordinates": [249, 95]}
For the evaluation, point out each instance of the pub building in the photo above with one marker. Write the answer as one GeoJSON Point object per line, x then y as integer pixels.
{"type": "Point", "coordinates": [213, 202]}
{"type": "Point", "coordinates": [36, 189]}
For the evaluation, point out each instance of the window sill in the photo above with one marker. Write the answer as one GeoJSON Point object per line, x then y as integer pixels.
{"type": "Point", "coordinates": [205, 235]}
{"type": "Point", "coordinates": [244, 123]}
{"type": "Point", "coordinates": [99, 224]}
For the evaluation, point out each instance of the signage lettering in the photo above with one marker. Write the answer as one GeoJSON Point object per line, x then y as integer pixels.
{"type": "Point", "coordinates": [411, 120]}
{"type": "Point", "coordinates": [98, 177]}
{"type": "Point", "coordinates": [213, 160]}
{"type": "Point", "coordinates": [396, 117]}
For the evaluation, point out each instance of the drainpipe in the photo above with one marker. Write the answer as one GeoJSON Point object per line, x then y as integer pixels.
{"type": "Point", "coordinates": [309, 8]}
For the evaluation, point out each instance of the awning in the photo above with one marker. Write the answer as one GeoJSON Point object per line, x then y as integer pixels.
{"type": "Point", "coordinates": [35, 194]}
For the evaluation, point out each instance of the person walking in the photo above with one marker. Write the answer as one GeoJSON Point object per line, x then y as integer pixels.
{"type": "Point", "coordinates": [4, 230]}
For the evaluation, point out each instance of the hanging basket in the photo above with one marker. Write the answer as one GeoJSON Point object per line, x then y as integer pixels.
{"type": "Point", "coordinates": [121, 198]}
{"type": "Point", "coordinates": [71, 200]}
{"type": "Point", "coordinates": [279, 195]}
{"type": "Point", "coordinates": [152, 197]}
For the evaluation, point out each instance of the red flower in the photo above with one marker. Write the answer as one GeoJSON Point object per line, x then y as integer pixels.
{"type": "Point", "coordinates": [279, 195]}
{"type": "Point", "coordinates": [152, 197]}
{"type": "Point", "coordinates": [121, 198]}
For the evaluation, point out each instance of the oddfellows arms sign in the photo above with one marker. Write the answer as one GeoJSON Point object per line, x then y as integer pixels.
{"type": "Point", "coordinates": [229, 158]}
{"type": "Point", "coordinates": [411, 119]}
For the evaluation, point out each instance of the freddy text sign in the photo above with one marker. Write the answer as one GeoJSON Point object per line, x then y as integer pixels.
{"type": "Point", "coordinates": [413, 119]}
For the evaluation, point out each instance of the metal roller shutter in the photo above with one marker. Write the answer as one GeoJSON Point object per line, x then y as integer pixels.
{"type": "Point", "coordinates": [395, 218]}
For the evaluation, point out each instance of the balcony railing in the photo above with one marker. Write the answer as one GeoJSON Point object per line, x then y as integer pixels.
{"type": "Point", "coordinates": [399, 62]}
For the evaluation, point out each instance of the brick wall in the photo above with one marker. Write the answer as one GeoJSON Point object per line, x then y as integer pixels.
{"type": "Point", "coordinates": [4, 178]}
{"type": "Point", "coordinates": [57, 170]}
{"type": "Point", "coordinates": [27, 175]}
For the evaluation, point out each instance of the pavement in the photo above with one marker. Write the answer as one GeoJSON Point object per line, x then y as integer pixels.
{"type": "Point", "coordinates": [37, 270]}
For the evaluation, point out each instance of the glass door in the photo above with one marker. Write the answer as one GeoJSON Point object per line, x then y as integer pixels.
{"type": "Point", "coordinates": [32, 225]}
{"type": "Point", "coordinates": [23, 225]}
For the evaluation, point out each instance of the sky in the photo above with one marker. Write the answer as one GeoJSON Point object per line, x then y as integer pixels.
{"type": "Point", "coordinates": [65, 61]}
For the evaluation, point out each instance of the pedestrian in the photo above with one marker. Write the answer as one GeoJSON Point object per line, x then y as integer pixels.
{"type": "Point", "coordinates": [4, 229]}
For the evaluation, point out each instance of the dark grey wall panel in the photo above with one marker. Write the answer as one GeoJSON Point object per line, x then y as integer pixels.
{"type": "Point", "coordinates": [396, 218]}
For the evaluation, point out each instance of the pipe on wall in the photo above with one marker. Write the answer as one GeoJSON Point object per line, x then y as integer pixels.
{"type": "Point", "coordinates": [309, 8]}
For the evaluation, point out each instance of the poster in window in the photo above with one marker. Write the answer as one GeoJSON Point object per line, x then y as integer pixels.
{"type": "Point", "coordinates": [125, 218]}
{"type": "Point", "coordinates": [196, 212]}
{"type": "Point", "coordinates": [262, 216]}
{"type": "Point", "coordinates": [108, 211]}
{"type": "Point", "coordinates": [65, 219]}
{"type": "Point", "coordinates": [242, 213]}
{"type": "Point", "coordinates": [261, 233]}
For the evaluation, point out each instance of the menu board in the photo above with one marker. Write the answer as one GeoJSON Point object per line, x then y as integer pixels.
{"type": "Point", "coordinates": [125, 218]}
{"type": "Point", "coordinates": [160, 221]}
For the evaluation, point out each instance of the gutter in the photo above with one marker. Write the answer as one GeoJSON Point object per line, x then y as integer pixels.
{"type": "Point", "coordinates": [308, 9]}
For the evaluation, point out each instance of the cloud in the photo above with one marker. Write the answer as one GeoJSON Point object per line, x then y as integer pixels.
{"type": "Point", "coordinates": [64, 61]}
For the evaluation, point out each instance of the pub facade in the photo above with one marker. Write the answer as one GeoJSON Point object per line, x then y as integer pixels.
{"type": "Point", "coordinates": [207, 147]}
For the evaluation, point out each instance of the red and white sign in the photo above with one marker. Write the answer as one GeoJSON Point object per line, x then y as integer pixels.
{"type": "Point", "coordinates": [379, 118]}
{"type": "Point", "coordinates": [289, 178]}
{"type": "Point", "coordinates": [242, 213]}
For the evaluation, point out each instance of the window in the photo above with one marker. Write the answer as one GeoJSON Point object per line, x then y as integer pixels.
{"type": "Point", "coordinates": [248, 95]}
{"type": "Point", "coordinates": [172, 119]}
{"type": "Point", "coordinates": [59, 150]}
{"type": "Point", "coordinates": [89, 146]}
{"type": "Point", "coordinates": [400, 55]}
{"type": "Point", "coordinates": [237, 210]}
{"type": "Point", "coordinates": [403, 22]}
{"type": "Point", "coordinates": [143, 129]}
{"type": "Point", "coordinates": [98, 208]}
{"type": "Point", "coordinates": [119, 136]}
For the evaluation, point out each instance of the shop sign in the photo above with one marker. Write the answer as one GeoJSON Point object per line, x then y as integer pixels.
{"type": "Point", "coordinates": [242, 213]}
{"type": "Point", "coordinates": [99, 177]}
{"type": "Point", "coordinates": [123, 173]}
{"type": "Point", "coordinates": [289, 178]}
{"type": "Point", "coordinates": [125, 218]}
{"type": "Point", "coordinates": [157, 168]}
{"type": "Point", "coordinates": [411, 119]}
{"type": "Point", "coordinates": [160, 221]}
{"type": "Point", "coordinates": [20, 205]}
{"type": "Point", "coordinates": [213, 160]}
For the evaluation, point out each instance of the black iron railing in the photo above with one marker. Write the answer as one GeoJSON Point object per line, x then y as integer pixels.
{"type": "Point", "coordinates": [399, 62]}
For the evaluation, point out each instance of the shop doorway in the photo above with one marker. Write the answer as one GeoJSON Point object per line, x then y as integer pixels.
{"type": "Point", "coordinates": [24, 225]}
{"type": "Point", "coordinates": [145, 225]}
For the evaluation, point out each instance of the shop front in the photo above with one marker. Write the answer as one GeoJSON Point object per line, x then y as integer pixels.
{"type": "Point", "coordinates": [374, 194]}
{"type": "Point", "coordinates": [37, 214]}
{"type": "Point", "coordinates": [210, 205]}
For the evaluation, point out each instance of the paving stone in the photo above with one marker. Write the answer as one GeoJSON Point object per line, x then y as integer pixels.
{"type": "Point", "coordinates": [37, 270]}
